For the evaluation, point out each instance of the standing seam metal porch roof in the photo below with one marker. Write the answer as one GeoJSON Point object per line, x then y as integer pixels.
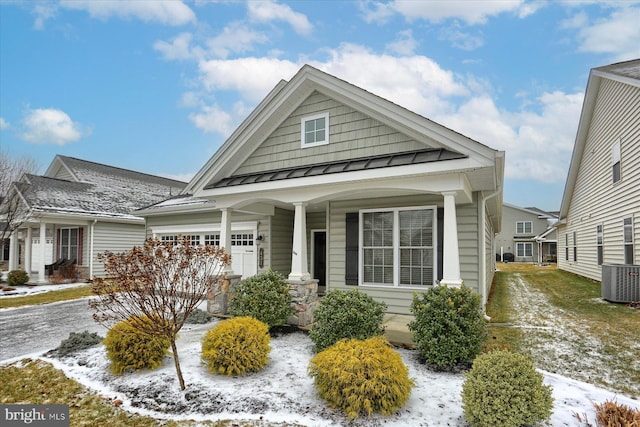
{"type": "Point", "coordinates": [358, 164]}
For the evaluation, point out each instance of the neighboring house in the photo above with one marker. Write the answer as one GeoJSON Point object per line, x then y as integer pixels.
{"type": "Point", "coordinates": [600, 211]}
{"type": "Point", "coordinates": [78, 209]}
{"type": "Point", "coordinates": [527, 233]}
{"type": "Point", "coordinates": [328, 183]}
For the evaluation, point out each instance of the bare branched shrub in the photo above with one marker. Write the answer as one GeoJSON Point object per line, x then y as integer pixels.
{"type": "Point", "coordinates": [614, 414]}
{"type": "Point", "coordinates": [163, 281]}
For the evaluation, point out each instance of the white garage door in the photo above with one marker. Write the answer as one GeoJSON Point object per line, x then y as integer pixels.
{"type": "Point", "coordinates": [36, 253]}
{"type": "Point", "coordinates": [243, 254]}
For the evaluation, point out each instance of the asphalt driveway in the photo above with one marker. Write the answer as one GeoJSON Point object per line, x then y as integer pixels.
{"type": "Point", "coordinates": [39, 328]}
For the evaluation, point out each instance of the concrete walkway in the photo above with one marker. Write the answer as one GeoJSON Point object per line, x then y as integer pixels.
{"type": "Point", "coordinates": [396, 329]}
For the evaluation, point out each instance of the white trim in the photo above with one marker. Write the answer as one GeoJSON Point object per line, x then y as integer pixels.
{"type": "Point", "coordinates": [524, 255]}
{"type": "Point", "coordinates": [396, 246]}
{"type": "Point", "coordinates": [303, 123]}
{"type": "Point", "coordinates": [203, 228]}
{"type": "Point", "coordinates": [524, 227]}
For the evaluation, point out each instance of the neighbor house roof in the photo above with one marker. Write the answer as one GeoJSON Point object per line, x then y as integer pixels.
{"type": "Point", "coordinates": [625, 72]}
{"type": "Point", "coordinates": [93, 189]}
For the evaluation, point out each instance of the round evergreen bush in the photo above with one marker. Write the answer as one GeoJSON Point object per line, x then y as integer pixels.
{"type": "Point", "coordinates": [346, 314]}
{"type": "Point", "coordinates": [130, 349]}
{"type": "Point", "coordinates": [362, 377]}
{"type": "Point", "coordinates": [17, 277]}
{"type": "Point", "coordinates": [504, 389]}
{"type": "Point", "coordinates": [448, 327]}
{"type": "Point", "coordinates": [264, 296]}
{"type": "Point", "coordinates": [78, 341]}
{"type": "Point", "coordinates": [236, 346]}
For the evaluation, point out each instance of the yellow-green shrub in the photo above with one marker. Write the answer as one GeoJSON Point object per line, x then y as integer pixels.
{"type": "Point", "coordinates": [361, 377]}
{"type": "Point", "coordinates": [130, 349]}
{"type": "Point", "coordinates": [236, 346]}
{"type": "Point", "coordinates": [504, 389]}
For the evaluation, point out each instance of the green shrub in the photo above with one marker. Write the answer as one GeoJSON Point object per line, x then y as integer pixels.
{"type": "Point", "coordinates": [448, 327]}
{"type": "Point", "coordinates": [17, 277]}
{"type": "Point", "coordinates": [361, 377]}
{"type": "Point", "coordinates": [198, 317]}
{"type": "Point", "coordinates": [346, 314]}
{"type": "Point", "coordinates": [78, 341]}
{"type": "Point", "coordinates": [130, 349]}
{"type": "Point", "coordinates": [236, 346]}
{"type": "Point", "coordinates": [504, 389]}
{"type": "Point", "coordinates": [264, 296]}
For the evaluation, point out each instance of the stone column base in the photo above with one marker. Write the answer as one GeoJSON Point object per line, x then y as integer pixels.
{"type": "Point", "coordinates": [304, 300]}
{"type": "Point", "coordinates": [218, 300]}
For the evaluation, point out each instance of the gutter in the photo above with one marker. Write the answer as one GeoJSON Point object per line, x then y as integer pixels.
{"type": "Point", "coordinates": [91, 231]}
{"type": "Point", "coordinates": [483, 206]}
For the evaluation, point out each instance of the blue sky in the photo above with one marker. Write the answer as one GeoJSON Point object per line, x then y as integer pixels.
{"type": "Point", "coordinates": [157, 86]}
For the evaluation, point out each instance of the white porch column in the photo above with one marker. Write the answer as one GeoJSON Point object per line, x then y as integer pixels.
{"type": "Point", "coordinates": [225, 236]}
{"type": "Point", "coordinates": [451, 254]}
{"type": "Point", "coordinates": [299, 263]}
{"type": "Point", "coordinates": [43, 251]}
{"type": "Point", "coordinates": [28, 242]}
{"type": "Point", "coordinates": [13, 250]}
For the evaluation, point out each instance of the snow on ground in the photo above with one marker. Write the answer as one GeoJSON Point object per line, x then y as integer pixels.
{"type": "Point", "coordinates": [24, 290]}
{"type": "Point", "coordinates": [283, 392]}
{"type": "Point", "coordinates": [561, 341]}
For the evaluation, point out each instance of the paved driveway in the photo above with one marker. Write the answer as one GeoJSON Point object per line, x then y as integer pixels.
{"type": "Point", "coordinates": [39, 328]}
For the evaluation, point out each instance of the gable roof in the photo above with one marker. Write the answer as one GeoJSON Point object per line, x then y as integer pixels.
{"type": "Point", "coordinates": [95, 189]}
{"type": "Point", "coordinates": [287, 96]}
{"type": "Point", "coordinates": [624, 72]}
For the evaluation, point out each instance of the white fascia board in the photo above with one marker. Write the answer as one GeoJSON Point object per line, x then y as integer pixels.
{"type": "Point", "coordinates": [146, 212]}
{"type": "Point", "coordinates": [51, 170]}
{"type": "Point", "coordinates": [83, 219]}
{"type": "Point", "coordinates": [201, 228]}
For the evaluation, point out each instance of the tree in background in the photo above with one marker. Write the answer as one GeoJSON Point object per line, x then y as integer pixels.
{"type": "Point", "coordinates": [13, 212]}
{"type": "Point", "coordinates": [162, 281]}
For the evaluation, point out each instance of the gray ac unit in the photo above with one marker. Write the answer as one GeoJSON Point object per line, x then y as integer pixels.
{"type": "Point", "coordinates": [621, 283]}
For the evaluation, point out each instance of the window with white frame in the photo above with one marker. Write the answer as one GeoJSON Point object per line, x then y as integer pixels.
{"type": "Point", "coordinates": [628, 240]}
{"type": "Point", "coordinates": [600, 243]}
{"type": "Point", "coordinates": [69, 243]}
{"type": "Point", "coordinates": [575, 247]}
{"type": "Point", "coordinates": [524, 249]}
{"type": "Point", "coordinates": [212, 239]}
{"type": "Point", "coordinates": [315, 130]}
{"type": "Point", "coordinates": [168, 238]}
{"type": "Point", "coordinates": [244, 239]}
{"type": "Point", "coordinates": [524, 227]}
{"type": "Point", "coordinates": [616, 161]}
{"type": "Point", "coordinates": [398, 247]}
{"type": "Point", "coordinates": [566, 247]}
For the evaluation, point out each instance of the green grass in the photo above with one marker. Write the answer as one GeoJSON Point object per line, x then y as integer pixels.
{"type": "Point", "coordinates": [47, 297]}
{"type": "Point", "coordinates": [603, 337]}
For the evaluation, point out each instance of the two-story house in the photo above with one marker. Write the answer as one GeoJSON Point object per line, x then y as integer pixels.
{"type": "Point", "coordinates": [528, 235]}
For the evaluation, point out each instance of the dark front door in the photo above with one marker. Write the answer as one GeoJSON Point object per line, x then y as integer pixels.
{"type": "Point", "coordinates": [319, 259]}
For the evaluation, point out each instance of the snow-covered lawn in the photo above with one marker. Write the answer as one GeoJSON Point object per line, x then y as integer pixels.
{"type": "Point", "coordinates": [26, 290]}
{"type": "Point", "coordinates": [283, 392]}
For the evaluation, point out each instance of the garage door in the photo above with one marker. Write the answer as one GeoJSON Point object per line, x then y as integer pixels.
{"type": "Point", "coordinates": [243, 254]}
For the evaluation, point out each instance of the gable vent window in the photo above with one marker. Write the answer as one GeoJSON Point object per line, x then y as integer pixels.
{"type": "Point", "coordinates": [615, 159]}
{"type": "Point", "coordinates": [315, 130]}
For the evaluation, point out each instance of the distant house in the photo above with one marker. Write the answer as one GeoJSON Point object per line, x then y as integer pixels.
{"type": "Point", "coordinates": [528, 234]}
{"type": "Point", "coordinates": [600, 211]}
{"type": "Point", "coordinates": [78, 209]}
{"type": "Point", "coordinates": [332, 185]}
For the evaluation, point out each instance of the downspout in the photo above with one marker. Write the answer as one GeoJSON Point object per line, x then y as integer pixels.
{"type": "Point", "coordinates": [484, 252]}
{"type": "Point", "coordinates": [91, 231]}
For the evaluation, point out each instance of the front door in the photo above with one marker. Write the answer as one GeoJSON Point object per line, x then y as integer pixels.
{"type": "Point", "coordinates": [319, 259]}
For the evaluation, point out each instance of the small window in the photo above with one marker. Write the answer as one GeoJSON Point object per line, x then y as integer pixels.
{"type": "Point", "coordinates": [575, 247]}
{"type": "Point", "coordinates": [566, 247]}
{"type": "Point", "coordinates": [315, 130]}
{"type": "Point", "coordinates": [615, 161]}
{"type": "Point", "coordinates": [524, 250]}
{"type": "Point", "coordinates": [212, 239]}
{"type": "Point", "coordinates": [628, 240]}
{"type": "Point", "coordinates": [599, 244]}
{"type": "Point", "coordinates": [523, 227]}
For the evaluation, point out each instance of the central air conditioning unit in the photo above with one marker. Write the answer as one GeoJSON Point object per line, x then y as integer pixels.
{"type": "Point", "coordinates": [621, 283]}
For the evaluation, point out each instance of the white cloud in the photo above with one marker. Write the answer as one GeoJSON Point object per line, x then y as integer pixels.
{"type": "Point", "coordinates": [213, 119]}
{"type": "Point", "coordinates": [267, 11]}
{"type": "Point", "coordinates": [471, 12]}
{"type": "Point", "coordinates": [167, 12]}
{"type": "Point", "coordinates": [252, 77]}
{"type": "Point", "coordinates": [617, 35]}
{"type": "Point", "coordinates": [404, 44]}
{"type": "Point", "coordinates": [4, 124]}
{"type": "Point", "coordinates": [43, 11]}
{"type": "Point", "coordinates": [51, 126]}
{"type": "Point", "coordinates": [178, 49]}
{"type": "Point", "coordinates": [461, 39]}
{"type": "Point", "coordinates": [578, 20]}
{"type": "Point", "coordinates": [538, 144]}
{"type": "Point", "coordinates": [235, 38]}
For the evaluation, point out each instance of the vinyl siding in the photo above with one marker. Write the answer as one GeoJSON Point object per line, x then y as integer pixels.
{"type": "Point", "coordinates": [596, 199]}
{"type": "Point", "coordinates": [351, 134]}
{"type": "Point", "coordinates": [398, 300]}
{"type": "Point", "coordinates": [282, 241]}
{"type": "Point", "coordinates": [114, 237]}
